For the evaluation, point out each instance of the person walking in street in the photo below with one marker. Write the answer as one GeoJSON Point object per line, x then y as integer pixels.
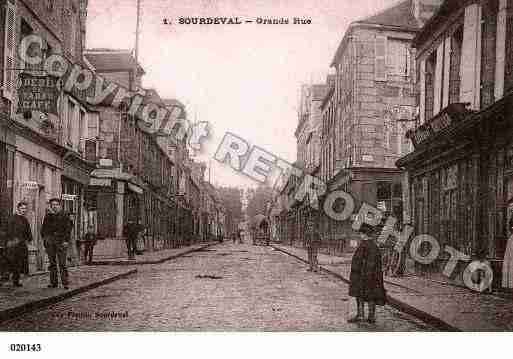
{"type": "Point", "coordinates": [313, 242]}
{"type": "Point", "coordinates": [239, 234]}
{"type": "Point", "coordinates": [366, 278]}
{"type": "Point", "coordinates": [89, 243]}
{"type": "Point", "coordinates": [131, 233]}
{"type": "Point", "coordinates": [56, 232]}
{"type": "Point", "coordinates": [18, 234]}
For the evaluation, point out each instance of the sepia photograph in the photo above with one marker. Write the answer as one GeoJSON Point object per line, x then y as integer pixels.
{"type": "Point", "coordinates": [255, 166]}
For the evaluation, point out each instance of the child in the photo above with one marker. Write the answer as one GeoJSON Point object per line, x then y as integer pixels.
{"type": "Point", "coordinates": [90, 241]}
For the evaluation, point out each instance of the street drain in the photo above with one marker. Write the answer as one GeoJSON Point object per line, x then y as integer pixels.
{"type": "Point", "coordinates": [208, 276]}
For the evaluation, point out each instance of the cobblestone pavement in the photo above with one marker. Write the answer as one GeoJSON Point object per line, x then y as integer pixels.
{"type": "Point", "coordinates": [225, 287]}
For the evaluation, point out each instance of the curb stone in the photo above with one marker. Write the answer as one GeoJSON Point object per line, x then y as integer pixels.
{"type": "Point", "coordinates": [11, 313]}
{"type": "Point", "coordinates": [393, 302]}
{"type": "Point", "coordinates": [155, 261]}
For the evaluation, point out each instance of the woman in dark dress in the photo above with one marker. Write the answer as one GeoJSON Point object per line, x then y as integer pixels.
{"type": "Point", "coordinates": [367, 277]}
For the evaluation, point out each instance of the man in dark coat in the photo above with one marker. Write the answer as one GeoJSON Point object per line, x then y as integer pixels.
{"type": "Point", "coordinates": [130, 233]}
{"type": "Point", "coordinates": [367, 276]}
{"type": "Point", "coordinates": [313, 242]}
{"type": "Point", "coordinates": [18, 234]}
{"type": "Point", "coordinates": [56, 230]}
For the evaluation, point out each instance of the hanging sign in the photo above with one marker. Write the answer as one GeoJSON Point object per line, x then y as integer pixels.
{"type": "Point", "coordinates": [69, 197]}
{"type": "Point", "coordinates": [38, 93]}
{"type": "Point", "coordinates": [30, 185]}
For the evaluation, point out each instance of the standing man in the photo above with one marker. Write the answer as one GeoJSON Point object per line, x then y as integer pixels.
{"type": "Point", "coordinates": [18, 234]}
{"type": "Point", "coordinates": [130, 232]}
{"type": "Point", "coordinates": [56, 232]}
{"type": "Point", "coordinates": [313, 242]}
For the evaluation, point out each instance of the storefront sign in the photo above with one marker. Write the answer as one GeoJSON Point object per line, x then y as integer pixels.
{"type": "Point", "coordinates": [453, 113]}
{"type": "Point", "coordinates": [69, 197]}
{"type": "Point", "coordinates": [101, 182]}
{"type": "Point", "coordinates": [30, 185]}
{"type": "Point", "coordinates": [37, 93]}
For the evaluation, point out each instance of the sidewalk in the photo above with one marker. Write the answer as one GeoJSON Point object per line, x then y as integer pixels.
{"type": "Point", "coordinates": [155, 257]}
{"type": "Point", "coordinates": [445, 306]}
{"type": "Point", "coordinates": [35, 294]}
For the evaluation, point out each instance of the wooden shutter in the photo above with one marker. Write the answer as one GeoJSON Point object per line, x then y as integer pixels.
{"type": "Point", "coordinates": [438, 75]}
{"type": "Point", "coordinates": [10, 50]}
{"type": "Point", "coordinates": [488, 47]}
{"type": "Point", "coordinates": [380, 55]}
{"type": "Point", "coordinates": [446, 72]}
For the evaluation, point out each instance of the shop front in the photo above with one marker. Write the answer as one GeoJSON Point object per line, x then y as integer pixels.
{"type": "Point", "coordinates": [37, 178]}
{"type": "Point", "coordinates": [461, 184]}
{"type": "Point", "coordinates": [74, 182]}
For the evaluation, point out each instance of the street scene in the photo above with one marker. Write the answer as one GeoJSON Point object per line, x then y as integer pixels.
{"type": "Point", "coordinates": [222, 288]}
{"type": "Point", "coordinates": [265, 166]}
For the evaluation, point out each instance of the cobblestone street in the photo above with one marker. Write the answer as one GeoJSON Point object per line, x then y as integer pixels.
{"type": "Point", "coordinates": [225, 287]}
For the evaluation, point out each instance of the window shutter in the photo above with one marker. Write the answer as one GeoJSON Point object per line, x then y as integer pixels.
{"type": "Point", "coordinates": [10, 51]}
{"type": "Point", "coordinates": [380, 55]}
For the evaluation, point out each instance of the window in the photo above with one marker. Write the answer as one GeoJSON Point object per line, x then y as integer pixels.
{"type": "Point", "coordinates": [9, 84]}
{"type": "Point", "coordinates": [81, 130]}
{"type": "Point", "coordinates": [398, 57]}
{"type": "Point", "coordinates": [49, 5]}
{"type": "Point", "coordinates": [488, 50]}
{"type": "Point", "coordinates": [380, 55]}
{"type": "Point", "coordinates": [73, 36]}
{"type": "Point", "coordinates": [430, 85]}
{"type": "Point", "coordinates": [69, 126]}
{"type": "Point", "coordinates": [454, 72]}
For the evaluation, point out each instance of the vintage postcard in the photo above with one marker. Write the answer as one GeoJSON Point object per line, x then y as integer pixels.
{"type": "Point", "coordinates": [255, 166]}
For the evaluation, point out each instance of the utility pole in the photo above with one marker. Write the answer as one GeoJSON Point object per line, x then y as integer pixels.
{"type": "Point", "coordinates": [137, 30]}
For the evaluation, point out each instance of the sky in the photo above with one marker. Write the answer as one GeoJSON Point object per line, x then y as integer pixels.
{"type": "Point", "coordinates": [240, 78]}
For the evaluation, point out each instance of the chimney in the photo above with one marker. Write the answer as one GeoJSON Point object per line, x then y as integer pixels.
{"type": "Point", "coordinates": [423, 10]}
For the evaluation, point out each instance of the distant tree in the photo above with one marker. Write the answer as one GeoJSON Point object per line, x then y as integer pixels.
{"type": "Point", "coordinates": [232, 200]}
{"type": "Point", "coordinates": [257, 201]}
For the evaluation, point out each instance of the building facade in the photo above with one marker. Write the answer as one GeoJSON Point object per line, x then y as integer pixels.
{"type": "Point", "coordinates": [43, 150]}
{"type": "Point", "coordinates": [369, 110]}
{"type": "Point", "coordinates": [459, 175]}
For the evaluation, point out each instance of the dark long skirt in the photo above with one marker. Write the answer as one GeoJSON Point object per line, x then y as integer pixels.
{"type": "Point", "coordinates": [366, 274]}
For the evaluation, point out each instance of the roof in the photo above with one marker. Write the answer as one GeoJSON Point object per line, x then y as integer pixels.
{"type": "Point", "coordinates": [400, 15]}
{"type": "Point", "coordinates": [112, 59]}
{"type": "Point", "coordinates": [441, 15]}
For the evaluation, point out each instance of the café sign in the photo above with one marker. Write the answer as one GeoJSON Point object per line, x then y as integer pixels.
{"type": "Point", "coordinates": [452, 114]}
{"type": "Point", "coordinates": [38, 93]}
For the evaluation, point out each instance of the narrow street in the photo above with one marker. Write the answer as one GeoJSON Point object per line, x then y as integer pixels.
{"type": "Point", "coordinates": [223, 288]}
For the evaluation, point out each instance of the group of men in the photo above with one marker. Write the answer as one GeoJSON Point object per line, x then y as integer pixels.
{"type": "Point", "coordinates": [16, 234]}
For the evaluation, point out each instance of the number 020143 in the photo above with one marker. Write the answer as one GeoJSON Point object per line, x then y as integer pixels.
{"type": "Point", "coordinates": [25, 347]}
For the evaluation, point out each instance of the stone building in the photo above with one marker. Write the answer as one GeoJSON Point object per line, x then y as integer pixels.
{"type": "Point", "coordinates": [43, 150]}
{"type": "Point", "coordinates": [460, 181]}
{"type": "Point", "coordinates": [369, 110]}
{"type": "Point", "coordinates": [137, 176]}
